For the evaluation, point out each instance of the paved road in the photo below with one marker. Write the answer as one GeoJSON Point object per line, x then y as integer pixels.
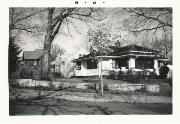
{"type": "Point", "coordinates": [63, 107]}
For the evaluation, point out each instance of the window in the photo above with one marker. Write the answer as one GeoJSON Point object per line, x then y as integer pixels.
{"type": "Point", "coordinates": [119, 63]}
{"type": "Point", "coordinates": [122, 63]}
{"type": "Point", "coordinates": [144, 64]}
{"type": "Point", "coordinates": [35, 62]}
{"type": "Point", "coordinates": [114, 64]}
{"type": "Point", "coordinates": [91, 64]}
{"type": "Point", "coordinates": [78, 65]}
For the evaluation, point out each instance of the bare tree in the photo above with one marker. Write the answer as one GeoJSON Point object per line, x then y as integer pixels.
{"type": "Point", "coordinates": [164, 44]}
{"type": "Point", "coordinates": [148, 19]}
{"type": "Point", "coordinates": [55, 50]}
{"type": "Point", "coordinates": [56, 17]}
{"type": "Point", "coordinates": [19, 19]}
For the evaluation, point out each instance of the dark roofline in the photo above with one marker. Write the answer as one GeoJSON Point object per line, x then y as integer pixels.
{"type": "Point", "coordinates": [30, 53]}
{"type": "Point", "coordinates": [119, 51]}
{"type": "Point", "coordinates": [134, 46]}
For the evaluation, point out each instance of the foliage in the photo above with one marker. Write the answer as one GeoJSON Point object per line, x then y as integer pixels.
{"type": "Point", "coordinates": [57, 75]}
{"type": "Point", "coordinates": [163, 71]}
{"type": "Point", "coordinates": [100, 39]}
{"type": "Point", "coordinates": [45, 76]}
{"type": "Point", "coordinates": [132, 76]}
{"type": "Point", "coordinates": [26, 71]}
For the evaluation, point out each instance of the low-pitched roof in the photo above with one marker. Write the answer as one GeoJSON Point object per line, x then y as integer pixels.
{"type": "Point", "coordinates": [133, 48]}
{"type": "Point", "coordinates": [126, 50]}
{"type": "Point", "coordinates": [33, 55]}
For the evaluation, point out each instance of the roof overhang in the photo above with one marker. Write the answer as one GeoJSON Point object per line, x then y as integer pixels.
{"type": "Point", "coordinates": [121, 56]}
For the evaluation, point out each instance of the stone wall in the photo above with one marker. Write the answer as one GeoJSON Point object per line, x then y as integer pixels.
{"type": "Point", "coordinates": [122, 87]}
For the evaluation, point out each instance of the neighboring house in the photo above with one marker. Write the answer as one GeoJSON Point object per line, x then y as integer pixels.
{"type": "Point", "coordinates": [34, 58]}
{"type": "Point", "coordinates": [120, 59]}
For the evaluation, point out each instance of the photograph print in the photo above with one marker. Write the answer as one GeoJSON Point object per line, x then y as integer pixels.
{"type": "Point", "coordinates": [90, 61]}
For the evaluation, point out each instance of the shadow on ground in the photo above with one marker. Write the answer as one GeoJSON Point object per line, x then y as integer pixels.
{"type": "Point", "coordinates": [53, 106]}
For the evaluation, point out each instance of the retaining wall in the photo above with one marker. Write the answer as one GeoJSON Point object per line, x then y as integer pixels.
{"type": "Point", "coordinates": [122, 87]}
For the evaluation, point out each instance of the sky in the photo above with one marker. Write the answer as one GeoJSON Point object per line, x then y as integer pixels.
{"type": "Point", "coordinates": [74, 41]}
{"type": "Point", "coordinates": [73, 38]}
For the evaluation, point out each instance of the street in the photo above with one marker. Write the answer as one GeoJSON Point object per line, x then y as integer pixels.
{"type": "Point", "coordinates": [53, 106]}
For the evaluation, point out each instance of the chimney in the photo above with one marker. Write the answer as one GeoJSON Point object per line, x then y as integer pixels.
{"type": "Point", "coordinates": [80, 55]}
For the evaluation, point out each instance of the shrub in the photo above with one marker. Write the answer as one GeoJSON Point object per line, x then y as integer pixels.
{"type": "Point", "coordinates": [163, 72]}
{"type": "Point", "coordinates": [57, 75]}
{"type": "Point", "coordinates": [142, 90]}
{"type": "Point", "coordinates": [132, 76]}
{"type": "Point", "coordinates": [91, 86]}
{"type": "Point", "coordinates": [136, 76]}
{"type": "Point", "coordinates": [26, 71]}
{"type": "Point", "coordinates": [46, 76]}
{"type": "Point", "coordinates": [105, 87]}
{"type": "Point", "coordinates": [15, 75]}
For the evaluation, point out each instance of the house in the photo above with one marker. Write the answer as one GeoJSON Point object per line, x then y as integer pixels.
{"type": "Point", "coordinates": [34, 58]}
{"type": "Point", "coordinates": [119, 59]}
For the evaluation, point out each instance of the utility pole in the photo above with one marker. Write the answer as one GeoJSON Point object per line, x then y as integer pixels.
{"type": "Point", "coordinates": [102, 93]}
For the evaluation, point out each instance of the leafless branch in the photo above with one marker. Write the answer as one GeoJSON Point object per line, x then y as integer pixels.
{"type": "Point", "coordinates": [150, 17]}
{"type": "Point", "coordinates": [27, 16]}
{"type": "Point", "coordinates": [74, 26]}
{"type": "Point", "coordinates": [56, 30]}
{"type": "Point", "coordinates": [147, 29]}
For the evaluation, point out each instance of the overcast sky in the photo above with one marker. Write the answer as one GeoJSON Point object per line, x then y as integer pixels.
{"type": "Point", "coordinates": [74, 38]}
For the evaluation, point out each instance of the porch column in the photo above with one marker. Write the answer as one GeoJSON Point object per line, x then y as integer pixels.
{"type": "Point", "coordinates": [156, 68]}
{"type": "Point", "coordinates": [131, 62]}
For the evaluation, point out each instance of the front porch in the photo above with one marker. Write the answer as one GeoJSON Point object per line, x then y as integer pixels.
{"type": "Point", "coordinates": [92, 67]}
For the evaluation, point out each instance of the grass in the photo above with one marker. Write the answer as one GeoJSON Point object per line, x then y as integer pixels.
{"type": "Point", "coordinates": [77, 80]}
{"type": "Point", "coordinates": [89, 80]}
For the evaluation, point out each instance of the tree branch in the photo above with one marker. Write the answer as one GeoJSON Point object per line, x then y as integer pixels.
{"type": "Point", "coordinates": [147, 29]}
{"type": "Point", "coordinates": [56, 30]}
{"type": "Point", "coordinates": [150, 17]}
{"type": "Point", "coordinates": [27, 16]}
{"type": "Point", "coordinates": [74, 26]}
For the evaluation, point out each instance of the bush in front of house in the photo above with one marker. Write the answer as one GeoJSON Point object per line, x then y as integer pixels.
{"type": "Point", "coordinates": [136, 76]}
{"type": "Point", "coordinates": [26, 71]}
{"type": "Point", "coordinates": [20, 73]}
{"type": "Point", "coordinates": [132, 76]}
{"type": "Point", "coordinates": [113, 75]}
{"type": "Point", "coordinates": [58, 75]}
{"type": "Point", "coordinates": [163, 71]}
{"type": "Point", "coordinates": [46, 76]}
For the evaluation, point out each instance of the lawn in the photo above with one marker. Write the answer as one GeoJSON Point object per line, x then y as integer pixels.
{"type": "Point", "coordinates": [105, 80]}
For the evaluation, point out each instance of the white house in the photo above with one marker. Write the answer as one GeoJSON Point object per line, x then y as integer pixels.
{"type": "Point", "coordinates": [122, 58]}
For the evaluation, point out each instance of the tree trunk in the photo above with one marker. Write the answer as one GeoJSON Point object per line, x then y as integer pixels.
{"type": "Point", "coordinates": [48, 42]}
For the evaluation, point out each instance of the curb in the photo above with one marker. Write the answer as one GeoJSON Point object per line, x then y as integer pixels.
{"type": "Point", "coordinates": [114, 98]}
